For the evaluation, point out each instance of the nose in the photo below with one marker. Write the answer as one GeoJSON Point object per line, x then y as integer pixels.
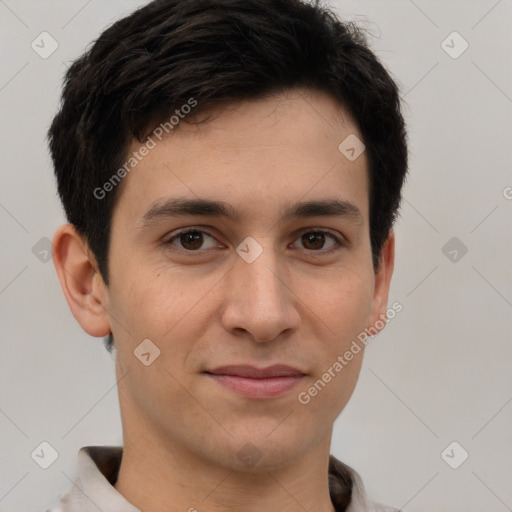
{"type": "Point", "coordinates": [260, 301]}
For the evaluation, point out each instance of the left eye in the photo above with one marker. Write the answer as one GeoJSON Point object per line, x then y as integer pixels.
{"type": "Point", "coordinates": [315, 240]}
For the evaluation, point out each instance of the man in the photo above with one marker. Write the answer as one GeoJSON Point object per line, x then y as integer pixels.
{"type": "Point", "coordinates": [231, 172]}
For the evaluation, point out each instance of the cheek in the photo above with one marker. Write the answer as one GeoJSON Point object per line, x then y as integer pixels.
{"type": "Point", "coordinates": [340, 301]}
{"type": "Point", "coordinates": [170, 308]}
{"type": "Point", "coordinates": [154, 303]}
{"type": "Point", "coordinates": [342, 307]}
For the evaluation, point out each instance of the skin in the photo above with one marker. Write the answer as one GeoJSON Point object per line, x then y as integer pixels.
{"type": "Point", "coordinates": [295, 304]}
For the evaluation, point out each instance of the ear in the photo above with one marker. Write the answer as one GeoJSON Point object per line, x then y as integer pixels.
{"type": "Point", "coordinates": [81, 282]}
{"type": "Point", "coordinates": [382, 283]}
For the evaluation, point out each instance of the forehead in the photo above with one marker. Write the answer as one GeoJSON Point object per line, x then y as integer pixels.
{"type": "Point", "coordinates": [281, 148]}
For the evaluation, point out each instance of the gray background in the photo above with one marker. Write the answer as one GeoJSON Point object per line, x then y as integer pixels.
{"type": "Point", "coordinates": [438, 373]}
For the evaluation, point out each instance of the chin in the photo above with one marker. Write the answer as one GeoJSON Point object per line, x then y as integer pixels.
{"type": "Point", "coordinates": [262, 452]}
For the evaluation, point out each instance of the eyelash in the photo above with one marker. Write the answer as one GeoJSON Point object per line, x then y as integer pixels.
{"type": "Point", "coordinates": [340, 242]}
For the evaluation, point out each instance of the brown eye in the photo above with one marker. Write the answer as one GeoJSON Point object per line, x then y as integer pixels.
{"type": "Point", "coordinates": [313, 240]}
{"type": "Point", "coordinates": [191, 240]}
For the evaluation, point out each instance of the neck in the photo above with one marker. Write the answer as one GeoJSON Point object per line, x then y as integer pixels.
{"type": "Point", "coordinates": [179, 481]}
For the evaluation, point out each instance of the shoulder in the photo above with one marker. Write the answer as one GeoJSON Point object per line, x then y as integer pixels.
{"type": "Point", "coordinates": [344, 477]}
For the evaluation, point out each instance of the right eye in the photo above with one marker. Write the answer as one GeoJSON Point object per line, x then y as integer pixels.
{"type": "Point", "coordinates": [190, 239]}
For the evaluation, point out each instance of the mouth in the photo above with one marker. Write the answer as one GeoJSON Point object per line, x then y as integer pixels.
{"type": "Point", "coordinates": [257, 383]}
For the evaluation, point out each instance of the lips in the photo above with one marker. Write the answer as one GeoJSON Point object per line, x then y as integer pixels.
{"type": "Point", "coordinates": [251, 372]}
{"type": "Point", "coordinates": [257, 383]}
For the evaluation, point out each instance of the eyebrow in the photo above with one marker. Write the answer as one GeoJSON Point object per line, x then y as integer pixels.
{"type": "Point", "coordinates": [209, 208]}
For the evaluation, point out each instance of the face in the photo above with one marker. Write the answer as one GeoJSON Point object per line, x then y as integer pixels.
{"type": "Point", "coordinates": [257, 283]}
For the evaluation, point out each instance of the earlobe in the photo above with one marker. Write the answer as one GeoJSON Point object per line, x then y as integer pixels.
{"type": "Point", "coordinates": [81, 283]}
{"type": "Point", "coordinates": [382, 283]}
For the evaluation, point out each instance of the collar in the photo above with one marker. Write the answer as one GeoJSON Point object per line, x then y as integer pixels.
{"type": "Point", "coordinates": [98, 469]}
